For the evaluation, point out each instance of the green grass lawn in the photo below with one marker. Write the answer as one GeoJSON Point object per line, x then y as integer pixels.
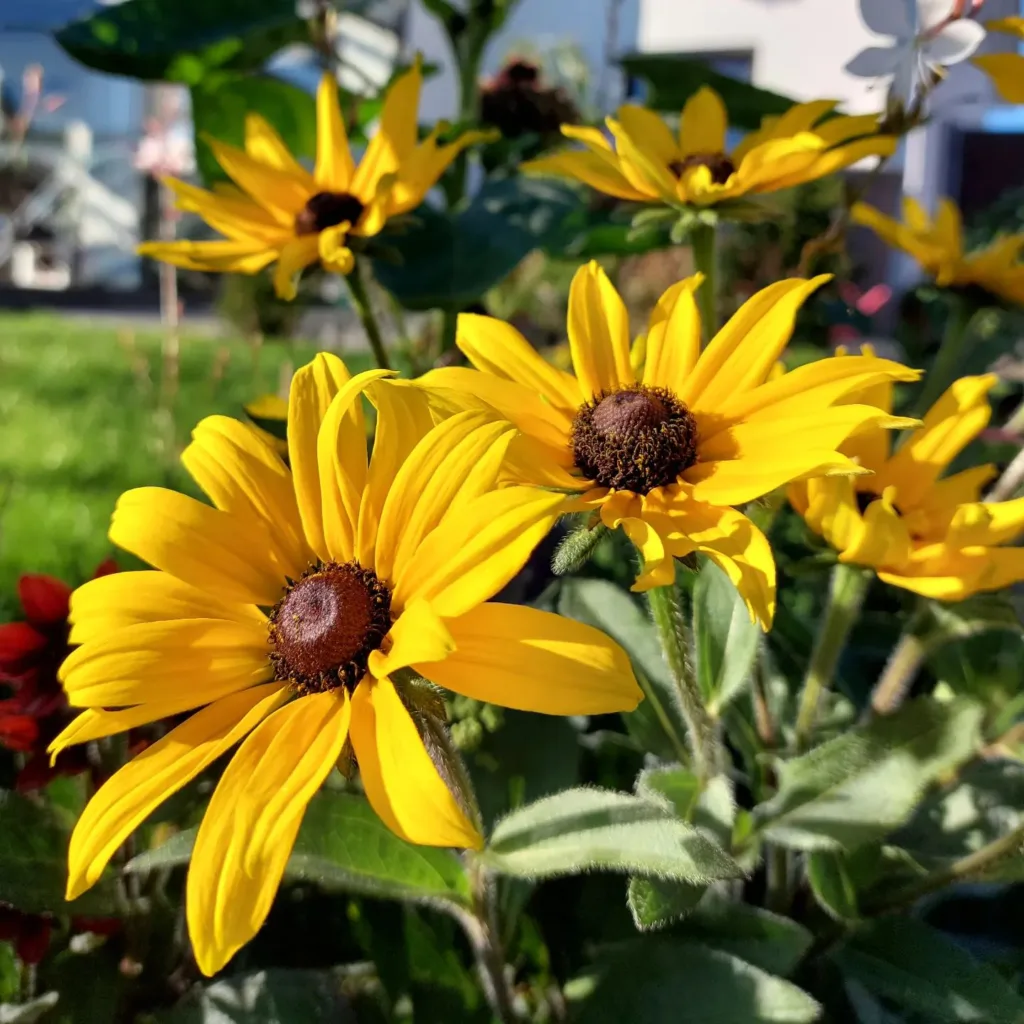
{"type": "Point", "coordinates": [80, 422]}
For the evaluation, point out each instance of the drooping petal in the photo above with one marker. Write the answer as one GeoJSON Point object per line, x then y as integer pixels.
{"type": "Point", "coordinates": [334, 164]}
{"type": "Point", "coordinates": [417, 635]}
{"type": "Point", "coordinates": [598, 325]}
{"type": "Point", "coordinates": [242, 474]}
{"type": "Point", "coordinates": [703, 124]}
{"type": "Point", "coordinates": [832, 510]}
{"type": "Point", "coordinates": [243, 256]}
{"type": "Point", "coordinates": [213, 550]}
{"type": "Point", "coordinates": [987, 523]}
{"type": "Point", "coordinates": [293, 258]}
{"type": "Point", "coordinates": [593, 169]}
{"type": "Point", "coordinates": [198, 660]}
{"type": "Point", "coordinates": [463, 563]}
{"type": "Point", "coordinates": [249, 827]}
{"type": "Point", "coordinates": [884, 540]}
{"type": "Point", "coordinates": [132, 793]}
{"type": "Point", "coordinates": [236, 216]}
{"type": "Point", "coordinates": [673, 339]}
{"type": "Point", "coordinates": [401, 782]}
{"type": "Point", "coordinates": [109, 603]}
{"type": "Point", "coordinates": [497, 348]}
{"type": "Point", "coordinates": [520, 657]}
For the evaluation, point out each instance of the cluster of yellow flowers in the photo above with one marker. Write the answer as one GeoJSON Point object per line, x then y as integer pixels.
{"type": "Point", "coordinates": [298, 610]}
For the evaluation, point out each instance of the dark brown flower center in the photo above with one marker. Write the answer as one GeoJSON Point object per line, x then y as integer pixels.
{"type": "Point", "coordinates": [326, 209]}
{"type": "Point", "coordinates": [719, 164]}
{"type": "Point", "coordinates": [634, 439]}
{"type": "Point", "coordinates": [323, 630]}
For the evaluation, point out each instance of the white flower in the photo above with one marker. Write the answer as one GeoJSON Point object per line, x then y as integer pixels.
{"type": "Point", "coordinates": [928, 35]}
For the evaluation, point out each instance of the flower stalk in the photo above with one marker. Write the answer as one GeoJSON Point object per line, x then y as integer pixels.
{"type": "Point", "coordinates": [667, 612]}
{"type": "Point", "coordinates": [950, 354]}
{"type": "Point", "coordinates": [364, 309]}
{"type": "Point", "coordinates": [900, 671]}
{"type": "Point", "coordinates": [704, 242]}
{"type": "Point", "coordinates": [847, 589]}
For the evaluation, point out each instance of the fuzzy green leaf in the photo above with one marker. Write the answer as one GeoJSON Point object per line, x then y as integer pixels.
{"type": "Point", "coordinates": [832, 885]}
{"type": "Point", "coordinates": [857, 788]}
{"type": "Point", "coordinates": [590, 829]}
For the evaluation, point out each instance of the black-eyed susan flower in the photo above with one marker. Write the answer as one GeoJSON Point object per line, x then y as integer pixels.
{"type": "Point", "coordinates": [650, 164]}
{"type": "Point", "coordinates": [282, 612]}
{"type": "Point", "coordinates": [282, 212]}
{"type": "Point", "coordinates": [938, 246]}
{"type": "Point", "coordinates": [917, 527]}
{"type": "Point", "coordinates": [668, 452]}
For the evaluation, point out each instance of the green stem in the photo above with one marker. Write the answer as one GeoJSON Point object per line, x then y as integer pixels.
{"type": "Point", "coordinates": [778, 892]}
{"type": "Point", "coordinates": [667, 612]}
{"type": "Point", "coordinates": [361, 300]}
{"type": "Point", "coordinates": [705, 259]}
{"type": "Point", "coordinates": [847, 589]}
{"type": "Point", "coordinates": [977, 865]}
{"type": "Point", "coordinates": [900, 671]}
{"type": "Point", "coordinates": [950, 355]}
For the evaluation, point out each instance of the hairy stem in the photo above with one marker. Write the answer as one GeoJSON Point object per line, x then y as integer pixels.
{"type": "Point", "coordinates": [900, 671]}
{"type": "Point", "coordinates": [364, 309]}
{"type": "Point", "coordinates": [667, 612]}
{"type": "Point", "coordinates": [847, 589]}
{"type": "Point", "coordinates": [705, 259]}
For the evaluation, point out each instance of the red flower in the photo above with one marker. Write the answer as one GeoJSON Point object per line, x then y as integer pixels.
{"type": "Point", "coordinates": [31, 653]}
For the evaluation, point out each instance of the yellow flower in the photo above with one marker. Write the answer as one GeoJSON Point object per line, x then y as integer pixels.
{"type": "Point", "coordinates": [1005, 69]}
{"type": "Point", "coordinates": [917, 528]}
{"type": "Point", "coordinates": [665, 454]}
{"type": "Point", "coordinates": [272, 411]}
{"type": "Point", "coordinates": [649, 164]}
{"type": "Point", "coordinates": [283, 611]}
{"type": "Point", "coordinates": [938, 245]}
{"type": "Point", "coordinates": [280, 211]}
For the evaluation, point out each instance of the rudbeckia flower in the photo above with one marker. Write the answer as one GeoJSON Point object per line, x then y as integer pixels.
{"type": "Point", "coordinates": [282, 613]}
{"type": "Point", "coordinates": [938, 245]}
{"type": "Point", "coordinates": [915, 526]}
{"type": "Point", "coordinates": [649, 164]}
{"type": "Point", "coordinates": [1005, 69]}
{"type": "Point", "coordinates": [281, 211]}
{"type": "Point", "coordinates": [668, 452]}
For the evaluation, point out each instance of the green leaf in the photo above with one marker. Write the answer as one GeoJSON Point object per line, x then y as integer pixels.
{"type": "Point", "coordinates": [656, 903]}
{"type": "Point", "coordinates": [219, 106]}
{"type": "Point", "coordinates": [980, 614]}
{"type": "Point", "coordinates": [862, 785]}
{"type": "Point", "coordinates": [832, 885]}
{"type": "Point", "coordinates": [921, 970]}
{"type": "Point", "coordinates": [343, 846]}
{"type": "Point", "coordinates": [91, 985]}
{"type": "Point", "coordinates": [182, 41]}
{"type": "Point", "coordinates": [590, 829]}
{"type": "Point", "coordinates": [672, 80]}
{"type": "Point", "coordinates": [724, 636]}
{"type": "Point", "coordinates": [656, 981]}
{"type": "Point", "coordinates": [262, 997]}
{"type": "Point", "coordinates": [449, 260]}
{"type": "Point", "coordinates": [658, 722]}
{"type": "Point", "coordinates": [710, 806]}
{"type": "Point", "coordinates": [30, 1012]}
{"type": "Point", "coordinates": [774, 943]}
{"type": "Point", "coordinates": [33, 862]}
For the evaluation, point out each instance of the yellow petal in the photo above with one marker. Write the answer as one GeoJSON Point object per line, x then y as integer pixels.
{"type": "Point", "coordinates": [832, 510]}
{"type": "Point", "coordinates": [884, 540]}
{"type": "Point", "coordinates": [249, 828]}
{"type": "Point", "coordinates": [421, 170]}
{"type": "Point", "coordinates": [265, 146]}
{"type": "Point", "coordinates": [294, 257]}
{"type": "Point", "coordinates": [649, 132]}
{"type": "Point", "coordinates": [334, 164]}
{"type": "Point", "coordinates": [341, 457]}
{"type": "Point", "coordinates": [741, 356]}
{"type": "Point", "coordinates": [403, 418]}
{"type": "Point", "coordinates": [642, 167]}
{"type": "Point", "coordinates": [281, 193]}
{"type": "Point", "coordinates": [332, 248]}
{"type": "Point", "coordinates": [428, 482]}
{"type": "Point", "coordinates": [236, 216]}
{"type": "Point", "coordinates": [246, 256]}
{"type": "Point", "coordinates": [987, 523]}
{"type": "Point", "coordinates": [125, 800]}
{"type": "Point", "coordinates": [400, 780]}
{"type": "Point", "coordinates": [599, 172]}
{"type": "Point", "coordinates": [463, 563]}
{"type": "Point", "coordinates": [417, 635]}
{"type": "Point", "coordinates": [213, 550]}
{"type": "Point", "coordinates": [703, 125]}
{"type": "Point", "coordinates": [313, 388]}
{"type": "Point", "coordinates": [598, 326]}
{"type": "Point", "coordinates": [520, 657]}
{"type": "Point", "coordinates": [242, 474]}
{"type": "Point", "coordinates": [499, 349]}
{"type": "Point", "coordinates": [1007, 73]}
{"type": "Point", "coordinates": [109, 603]}
{"type": "Point", "coordinates": [198, 660]}
{"type": "Point", "coordinates": [673, 340]}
